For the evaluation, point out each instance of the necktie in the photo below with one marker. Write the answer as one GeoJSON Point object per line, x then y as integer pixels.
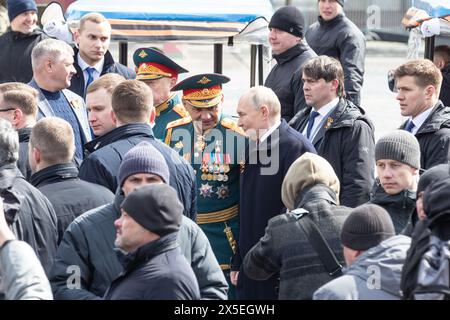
{"type": "Point", "coordinates": [312, 117]}
{"type": "Point", "coordinates": [410, 126]}
{"type": "Point", "coordinates": [90, 72]}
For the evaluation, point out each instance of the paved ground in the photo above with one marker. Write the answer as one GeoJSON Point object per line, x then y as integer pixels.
{"type": "Point", "coordinates": [378, 101]}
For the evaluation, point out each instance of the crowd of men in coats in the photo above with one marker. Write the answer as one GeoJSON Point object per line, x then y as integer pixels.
{"type": "Point", "coordinates": [113, 188]}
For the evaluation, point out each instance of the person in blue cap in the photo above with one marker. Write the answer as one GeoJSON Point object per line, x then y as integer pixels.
{"type": "Point", "coordinates": [160, 73]}
{"type": "Point", "coordinates": [212, 143]}
{"type": "Point", "coordinates": [18, 41]}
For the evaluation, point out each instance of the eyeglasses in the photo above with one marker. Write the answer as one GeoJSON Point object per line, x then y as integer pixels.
{"type": "Point", "coordinates": [5, 110]}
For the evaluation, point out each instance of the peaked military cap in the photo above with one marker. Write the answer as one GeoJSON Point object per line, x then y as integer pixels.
{"type": "Point", "coordinates": [153, 64]}
{"type": "Point", "coordinates": [202, 90]}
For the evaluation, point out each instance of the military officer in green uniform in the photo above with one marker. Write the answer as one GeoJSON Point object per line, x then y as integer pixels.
{"type": "Point", "coordinates": [212, 143]}
{"type": "Point", "coordinates": [160, 73]}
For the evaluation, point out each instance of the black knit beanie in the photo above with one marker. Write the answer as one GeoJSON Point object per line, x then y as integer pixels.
{"type": "Point", "coordinates": [435, 198]}
{"type": "Point", "coordinates": [399, 145]}
{"type": "Point", "coordinates": [366, 227]}
{"type": "Point", "coordinates": [155, 207]}
{"type": "Point", "coordinates": [143, 158]}
{"type": "Point", "coordinates": [288, 19]}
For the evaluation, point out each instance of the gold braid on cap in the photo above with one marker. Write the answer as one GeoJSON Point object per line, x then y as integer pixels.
{"type": "Point", "coordinates": [203, 94]}
{"type": "Point", "coordinates": [149, 69]}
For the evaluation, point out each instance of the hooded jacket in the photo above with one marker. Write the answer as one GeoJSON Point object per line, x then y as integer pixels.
{"type": "Point", "coordinates": [285, 78]}
{"type": "Point", "coordinates": [347, 142]}
{"type": "Point", "coordinates": [374, 275]}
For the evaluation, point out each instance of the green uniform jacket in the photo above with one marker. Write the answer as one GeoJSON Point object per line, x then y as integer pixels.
{"type": "Point", "coordinates": [168, 111]}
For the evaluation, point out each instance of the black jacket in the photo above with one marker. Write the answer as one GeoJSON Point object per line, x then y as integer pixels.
{"type": "Point", "coordinates": [348, 144]}
{"type": "Point", "coordinates": [340, 38]}
{"type": "Point", "coordinates": [400, 206]}
{"type": "Point", "coordinates": [155, 271]}
{"type": "Point", "coordinates": [89, 244]}
{"type": "Point", "coordinates": [444, 96]}
{"type": "Point", "coordinates": [69, 195]}
{"type": "Point", "coordinates": [29, 214]}
{"type": "Point", "coordinates": [285, 79]}
{"type": "Point", "coordinates": [292, 256]}
{"type": "Point", "coordinates": [15, 55]}
{"type": "Point", "coordinates": [264, 179]}
{"type": "Point", "coordinates": [434, 137]}
{"type": "Point", "coordinates": [22, 163]}
{"type": "Point", "coordinates": [77, 84]}
{"type": "Point", "coordinates": [102, 165]}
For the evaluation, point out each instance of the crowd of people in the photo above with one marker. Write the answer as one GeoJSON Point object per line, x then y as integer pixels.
{"type": "Point", "coordinates": [114, 186]}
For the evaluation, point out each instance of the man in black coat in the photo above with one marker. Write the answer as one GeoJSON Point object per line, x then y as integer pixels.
{"type": "Point", "coordinates": [339, 130]}
{"type": "Point", "coordinates": [19, 105]}
{"type": "Point", "coordinates": [442, 60]}
{"type": "Point", "coordinates": [273, 148]}
{"type": "Point", "coordinates": [336, 36]}
{"type": "Point", "coordinates": [133, 113]}
{"type": "Point", "coordinates": [92, 58]}
{"type": "Point", "coordinates": [28, 212]}
{"type": "Point", "coordinates": [56, 176]}
{"type": "Point", "coordinates": [291, 52]}
{"type": "Point", "coordinates": [17, 43]}
{"type": "Point", "coordinates": [89, 241]}
{"type": "Point", "coordinates": [154, 266]}
{"type": "Point", "coordinates": [418, 83]}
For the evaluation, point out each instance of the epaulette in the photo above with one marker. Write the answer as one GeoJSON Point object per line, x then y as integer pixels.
{"type": "Point", "coordinates": [178, 108]}
{"type": "Point", "coordinates": [230, 124]}
{"type": "Point", "coordinates": [179, 122]}
{"type": "Point", "coordinates": [174, 124]}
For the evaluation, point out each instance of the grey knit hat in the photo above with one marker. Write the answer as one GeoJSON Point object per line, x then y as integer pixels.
{"type": "Point", "coordinates": [341, 2]}
{"type": "Point", "coordinates": [143, 158]}
{"type": "Point", "coordinates": [155, 207]}
{"type": "Point", "coordinates": [399, 145]}
{"type": "Point", "coordinates": [366, 227]}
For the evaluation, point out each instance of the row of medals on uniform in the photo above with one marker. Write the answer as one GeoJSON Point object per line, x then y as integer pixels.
{"type": "Point", "coordinates": [215, 166]}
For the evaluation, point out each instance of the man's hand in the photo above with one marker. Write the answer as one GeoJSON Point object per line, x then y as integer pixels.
{"type": "Point", "coordinates": [5, 233]}
{"type": "Point", "coordinates": [234, 277]}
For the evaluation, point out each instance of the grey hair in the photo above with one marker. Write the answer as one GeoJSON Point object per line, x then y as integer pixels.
{"type": "Point", "coordinates": [261, 95]}
{"type": "Point", "coordinates": [49, 47]}
{"type": "Point", "coordinates": [9, 143]}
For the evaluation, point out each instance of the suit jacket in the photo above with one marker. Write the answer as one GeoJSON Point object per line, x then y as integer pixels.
{"type": "Point", "coordinates": [77, 103]}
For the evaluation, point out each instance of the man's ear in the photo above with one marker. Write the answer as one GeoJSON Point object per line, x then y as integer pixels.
{"type": "Point", "coordinates": [36, 155]}
{"type": "Point", "coordinates": [152, 115]}
{"type": "Point", "coordinates": [17, 117]}
{"type": "Point", "coordinates": [113, 117]}
{"type": "Point", "coordinates": [265, 111]}
{"type": "Point", "coordinates": [76, 36]}
{"type": "Point", "coordinates": [430, 91]}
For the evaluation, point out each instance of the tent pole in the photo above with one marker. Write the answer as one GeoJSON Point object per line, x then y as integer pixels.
{"type": "Point", "coordinates": [123, 53]}
{"type": "Point", "coordinates": [218, 58]}
{"type": "Point", "coordinates": [260, 65]}
{"type": "Point", "coordinates": [252, 65]}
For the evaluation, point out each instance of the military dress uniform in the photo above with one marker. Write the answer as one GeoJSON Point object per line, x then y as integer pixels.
{"type": "Point", "coordinates": [215, 156]}
{"type": "Point", "coordinates": [152, 64]}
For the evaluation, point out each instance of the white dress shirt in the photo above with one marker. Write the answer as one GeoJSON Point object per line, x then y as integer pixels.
{"type": "Point", "coordinates": [323, 112]}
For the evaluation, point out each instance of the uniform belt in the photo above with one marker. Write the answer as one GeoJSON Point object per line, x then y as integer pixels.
{"type": "Point", "coordinates": [218, 216]}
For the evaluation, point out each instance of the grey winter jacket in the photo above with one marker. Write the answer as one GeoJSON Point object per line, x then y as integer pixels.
{"type": "Point", "coordinates": [340, 38]}
{"type": "Point", "coordinates": [88, 243]}
{"type": "Point", "coordinates": [374, 275]}
{"type": "Point", "coordinates": [286, 250]}
{"type": "Point", "coordinates": [285, 78]}
{"type": "Point", "coordinates": [22, 275]}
